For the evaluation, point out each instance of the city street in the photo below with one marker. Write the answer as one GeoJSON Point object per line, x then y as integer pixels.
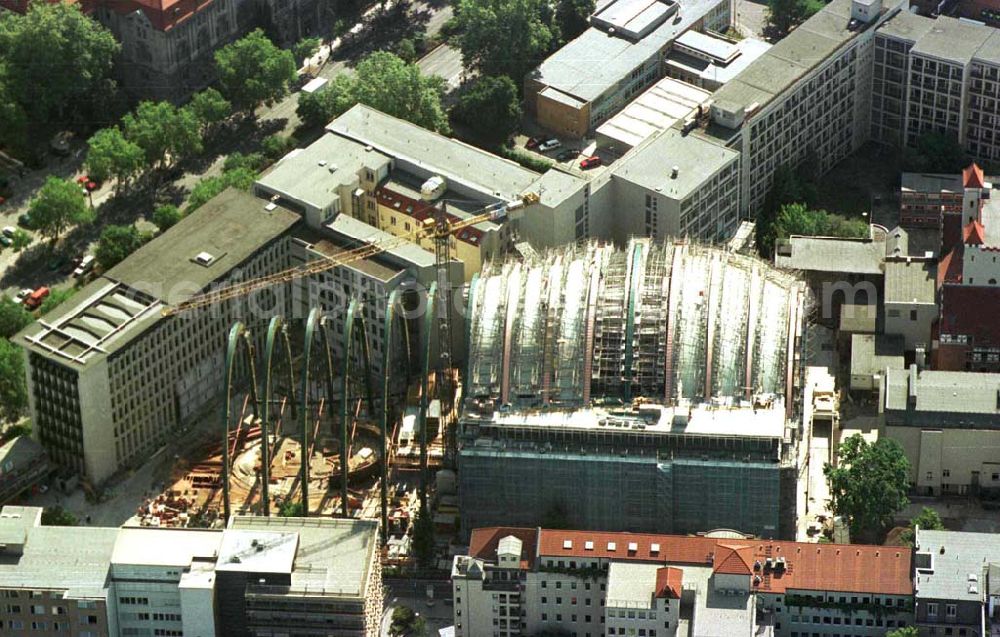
{"type": "Point", "coordinates": [414, 594]}
{"type": "Point", "coordinates": [445, 62]}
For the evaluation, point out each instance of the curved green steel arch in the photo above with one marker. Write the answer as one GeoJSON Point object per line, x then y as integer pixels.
{"type": "Point", "coordinates": [237, 334]}
{"type": "Point", "coordinates": [312, 322]}
{"type": "Point", "coordinates": [390, 316]}
{"type": "Point", "coordinates": [633, 293]}
{"type": "Point", "coordinates": [424, 398]}
{"type": "Point", "coordinates": [354, 316]}
{"type": "Point", "coordinates": [276, 332]}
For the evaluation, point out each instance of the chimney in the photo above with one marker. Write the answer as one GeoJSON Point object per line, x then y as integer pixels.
{"type": "Point", "coordinates": [674, 172]}
{"type": "Point", "coordinates": [911, 399]}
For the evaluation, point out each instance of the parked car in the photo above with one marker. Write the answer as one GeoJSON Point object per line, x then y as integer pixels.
{"type": "Point", "coordinates": [23, 294]}
{"type": "Point", "coordinates": [25, 221]}
{"type": "Point", "coordinates": [532, 143]}
{"type": "Point", "coordinates": [70, 265]}
{"type": "Point", "coordinates": [86, 265]}
{"type": "Point", "coordinates": [35, 299]}
{"type": "Point", "coordinates": [568, 154]}
{"type": "Point", "coordinates": [5, 241]}
{"type": "Point", "coordinates": [550, 144]}
{"type": "Point", "coordinates": [8, 231]}
{"type": "Point", "coordinates": [590, 162]}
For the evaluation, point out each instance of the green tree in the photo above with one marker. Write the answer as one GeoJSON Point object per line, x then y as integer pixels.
{"type": "Point", "coordinates": [209, 187]}
{"type": "Point", "coordinates": [166, 216]}
{"type": "Point", "coordinates": [13, 390]}
{"type": "Point", "coordinates": [291, 509]}
{"type": "Point", "coordinates": [110, 155]}
{"type": "Point", "coordinates": [796, 218]}
{"type": "Point", "coordinates": [384, 82]}
{"type": "Point", "coordinates": [55, 299]}
{"type": "Point", "coordinates": [928, 520]}
{"type": "Point", "coordinates": [422, 542]}
{"type": "Point", "coordinates": [491, 107]}
{"type": "Point", "coordinates": [868, 485]}
{"type": "Point", "coordinates": [57, 516]}
{"type": "Point", "coordinates": [936, 153]}
{"type": "Point", "coordinates": [782, 16]}
{"type": "Point", "coordinates": [253, 71]}
{"type": "Point", "coordinates": [13, 119]}
{"type": "Point", "coordinates": [163, 132]}
{"type": "Point", "coordinates": [276, 146]}
{"type": "Point", "coordinates": [407, 623]}
{"type": "Point", "coordinates": [59, 62]}
{"type": "Point", "coordinates": [59, 204]}
{"type": "Point", "coordinates": [13, 317]}
{"type": "Point", "coordinates": [406, 49]}
{"type": "Point", "coordinates": [210, 109]}
{"type": "Point", "coordinates": [505, 37]}
{"type": "Point", "coordinates": [20, 240]}
{"type": "Point", "coordinates": [788, 185]}
{"type": "Point", "coordinates": [906, 631]}
{"type": "Point", "coordinates": [116, 243]}
{"type": "Point", "coordinates": [573, 17]}
{"type": "Point", "coordinates": [305, 48]}
{"type": "Point", "coordinates": [237, 161]}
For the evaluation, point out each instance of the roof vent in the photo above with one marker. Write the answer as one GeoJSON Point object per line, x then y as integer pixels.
{"type": "Point", "coordinates": [204, 259]}
{"type": "Point", "coordinates": [674, 172]}
{"type": "Point", "coordinates": [271, 207]}
{"type": "Point", "coordinates": [322, 162]}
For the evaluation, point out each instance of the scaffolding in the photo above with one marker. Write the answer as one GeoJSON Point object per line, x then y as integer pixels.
{"type": "Point", "coordinates": [648, 367]}
{"type": "Point", "coordinates": [610, 325]}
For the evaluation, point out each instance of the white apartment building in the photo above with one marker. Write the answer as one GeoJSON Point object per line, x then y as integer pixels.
{"type": "Point", "coordinates": [527, 581]}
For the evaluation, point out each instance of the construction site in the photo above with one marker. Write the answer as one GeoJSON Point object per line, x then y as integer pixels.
{"type": "Point", "coordinates": [650, 388]}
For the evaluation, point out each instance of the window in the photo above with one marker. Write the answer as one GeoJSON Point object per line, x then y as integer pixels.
{"type": "Point", "coordinates": [932, 609]}
{"type": "Point", "coordinates": [950, 610]}
{"type": "Point", "coordinates": [945, 473]}
{"type": "Point", "coordinates": [913, 315]}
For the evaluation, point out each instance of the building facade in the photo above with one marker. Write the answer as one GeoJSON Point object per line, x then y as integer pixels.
{"type": "Point", "coordinates": [530, 581]}
{"type": "Point", "coordinates": [259, 577]}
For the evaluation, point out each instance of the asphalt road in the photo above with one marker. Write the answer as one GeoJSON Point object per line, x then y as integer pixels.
{"type": "Point", "coordinates": [445, 62]}
{"type": "Point", "coordinates": [437, 616]}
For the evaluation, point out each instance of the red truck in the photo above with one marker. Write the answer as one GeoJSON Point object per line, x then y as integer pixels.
{"type": "Point", "coordinates": [35, 298]}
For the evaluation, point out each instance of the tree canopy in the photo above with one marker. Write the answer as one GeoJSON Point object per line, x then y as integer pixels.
{"type": "Point", "coordinates": [936, 153]}
{"type": "Point", "coordinates": [253, 71]}
{"type": "Point", "coordinates": [55, 299]}
{"type": "Point", "coordinates": [164, 132]}
{"type": "Point", "coordinates": [423, 539]}
{"type": "Point", "coordinates": [116, 243]}
{"type": "Point", "coordinates": [797, 218]}
{"type": "Point", "coordinates": [905, 631]}
{"type": "Point", "coordinates": [209, 187]}
{"type": "Point", "coordinates": [384, 82]}
{"type": "Point", "coordinates": [928, 520]}
{"type": "Point", "coordinates": [166, 216]}
{"type": "Point", "coordinates": [13, 391]}
{"type": "Point", "coordinates": [505, 37]}
{"type": "Point", "coordinates": [291, 509]}
{"type": "Point", "coordinates": [111, 155]}
{"type": "Point", "coordinates": [407, 623]}
{"type": "Point", "coordinates": [13, 317]}
{"type": "Point", "coordinates": [57, 65]}
{"type": "Point", "coordinates": [788, 185]}
{"type": "Point", "coordinates": [305, 48]}
{"type": "Point", "coordinates": [782, 16]}
{"type": "Point", "coordinates": [57, 516]}
{"type": "Point", "coordinates": [868, 485]}
{"type": "Point", "coordinates": [210, 108]}
{"type": "Point", "coordinates": [573, 17]}
{"type": "Point", "coordinates": [59, 204]}
{"type": "Point", "coordinates": [491, 107]}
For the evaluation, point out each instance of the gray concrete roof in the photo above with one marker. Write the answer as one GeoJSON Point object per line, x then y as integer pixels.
{"type": "Point", "coordinates": [312, 175]}
{"type": "Point", "coordinates": [944, 392]}
{"type": "Point", "coordinates": [831, 254]}
{"type": "Point", "coordinates": [874, 353]}
{"type": "Point", "coordinates": [910, 281]}
{"type": "Point", "coordinates": [964, 556]}
{"type": "Point", "coordinates": [556, 186]}
{"type": "Point", "coordinates": [434, 153]}
{"type": "Point", "coordinates": [649, 164]}
{"type": "Point", "coordinates": [631, 585]}
{"type": "Point", "coordinates": [784, 63]}
{"type": "Point", "coordinates": [906, 26]}
{"type": "Point", "coordinates": [119, 306]}
{"type": "Point", "coordinates": [75, 560]}
{"type": "Point", "coordinates": [914, 242]}
{"type": "Point", "coordinates": [931, 183]}
{"type": "Point", "coordinates": [952, 40]}
{"type": "Point", "coordinates": [750, 50]}
{"type": "Point", "coordinates": [332, 556]}
{"type": "Point", "coordinates": [659, 107]}
{"type": "Point", "coordinates": [595, 61]}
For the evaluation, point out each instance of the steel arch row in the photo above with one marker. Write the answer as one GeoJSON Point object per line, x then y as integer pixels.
{"type": "Point", "coordinates": [354, 317]}
{"type": "Point", "coordinates": [238, 334]}
{"type": "Point", "coordinates": [424, 398]}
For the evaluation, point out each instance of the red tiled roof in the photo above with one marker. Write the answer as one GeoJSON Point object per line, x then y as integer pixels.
{"type": "Point", "coordinates": [163, 15]}
{"type": "Point", "coordinates": [973, 234]}
{"type": "Point", "coordinates": [821, 567]}
{"type": "Point", "coordinates": [668, 582]}
{"type": "Point", "coordinates": [971, 311]}
{"type": "Point", "coordinates": [420, 210]}
{"type": "Point", "coordinates": [484, 541]}
{"type": "Point", "coordinates": [733, 559]}
{"type": "Point", "coordinates": [972, 177]}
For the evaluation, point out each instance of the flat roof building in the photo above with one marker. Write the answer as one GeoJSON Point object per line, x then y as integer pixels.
{"type": "Point", "coordinates": [657, 109]}
{"type": "Point", "coordinates": [709, 61]}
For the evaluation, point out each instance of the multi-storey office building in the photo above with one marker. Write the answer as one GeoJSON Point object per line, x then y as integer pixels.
{"type": "Point", "coordinates": [594, 377]}
{"type": "Point", "coordinates": [529, 581]}
{"type": "Point", "coordinates": [258, 577]}
{"type": "Point", "coordinates": [937, 75]}
{"type": "Point", "coordinates": [109, 378]}
{"type": "Point", "coordinates": [807, 97]}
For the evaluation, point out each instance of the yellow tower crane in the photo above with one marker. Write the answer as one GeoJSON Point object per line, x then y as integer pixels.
{"type": "Point", "coordinates": [431, 228]}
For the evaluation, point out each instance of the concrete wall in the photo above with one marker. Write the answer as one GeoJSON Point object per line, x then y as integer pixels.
{"type": "Point", "coordinates": [957, 458]}
{"type": "Point", "coordinates": [98, 425]}
{"type": "Point", "coordinates": [912, 321]}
